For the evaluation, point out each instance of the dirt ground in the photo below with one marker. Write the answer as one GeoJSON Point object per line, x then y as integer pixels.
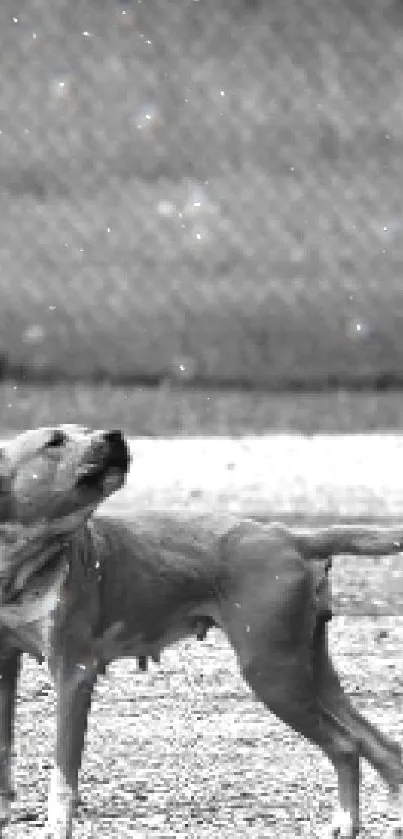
{"type": "Point", "coordinates": [185, 750]}
{"type": "Point", "coordinates": [292, 475]}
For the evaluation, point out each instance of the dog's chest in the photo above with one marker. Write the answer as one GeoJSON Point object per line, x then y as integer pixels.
{"type": "Point", "coordinates": [60, 602]}
{"type": "Point", "coordinates": [29, 621]}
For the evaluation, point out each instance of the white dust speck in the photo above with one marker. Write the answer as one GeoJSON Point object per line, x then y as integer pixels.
{"type": "Point", "coordinates": [60, 87]}
{"type": "Point", "coordinates": [34, 334]}
{"type": "Point", "coordinates": [166, 209]}
{"type": "Point", "coordinates": [147, 116]}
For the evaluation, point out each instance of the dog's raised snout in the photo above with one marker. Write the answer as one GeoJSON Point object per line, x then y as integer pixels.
{"type": "Point", "coordinates": [117, 452]}
{"type": "Point", "coordinates": [114, 437]}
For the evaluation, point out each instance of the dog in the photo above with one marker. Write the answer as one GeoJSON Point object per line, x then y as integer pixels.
{"type": "Point", "coordinates": [80, 589]}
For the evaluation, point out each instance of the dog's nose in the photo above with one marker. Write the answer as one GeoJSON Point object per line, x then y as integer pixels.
{"type": "Point", "coordinates": [114, 437]}
{"type": "Point", "coordinates": [115, 448]}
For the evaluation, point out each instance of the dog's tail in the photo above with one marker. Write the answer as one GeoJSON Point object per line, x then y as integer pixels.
{"type": "Point", "coordinates": [364, 540]}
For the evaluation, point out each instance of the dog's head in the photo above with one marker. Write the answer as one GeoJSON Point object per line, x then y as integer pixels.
{"type": "Point", "coordinates": [59, 475]}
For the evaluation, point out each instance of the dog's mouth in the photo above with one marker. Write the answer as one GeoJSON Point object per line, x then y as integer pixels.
{"type": "Point", "coordinates": [108, 459]}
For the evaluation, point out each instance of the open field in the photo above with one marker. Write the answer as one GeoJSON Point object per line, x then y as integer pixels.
{"type": "Point", "coordinates": [170, 410]}
{"type": "Point", "coordinates": [184, 750]}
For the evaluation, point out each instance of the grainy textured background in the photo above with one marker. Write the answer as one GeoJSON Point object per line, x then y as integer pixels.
{"type": "Point", "coordinates": [201, 189]}
{"type": "Point", "coordinates": [168, 411]}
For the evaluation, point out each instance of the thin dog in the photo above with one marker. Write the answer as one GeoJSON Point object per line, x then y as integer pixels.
{"type": "Point", "coordinates": [80, 589]}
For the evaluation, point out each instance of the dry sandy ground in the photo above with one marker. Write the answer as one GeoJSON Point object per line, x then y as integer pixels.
{"type": "Point", "coordinates": [184, 750]}
{"type": "Point", "coordinates": [283, 474]}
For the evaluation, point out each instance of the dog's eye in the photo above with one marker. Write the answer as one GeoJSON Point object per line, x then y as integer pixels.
{"type": "Point", "coordinates": [57, 439]}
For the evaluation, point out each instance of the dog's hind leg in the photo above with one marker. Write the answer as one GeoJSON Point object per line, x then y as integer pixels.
{"type": "Point", "coordinates": [287, 689]}
{"type": "Point", "coordinates": [382, 752]}
{"type": "Point", "coordinates": [269, 624]}
{"type": "Point", "coordinates": [74, 682]}
{"type": "Point", "coordinates": [9, 668]}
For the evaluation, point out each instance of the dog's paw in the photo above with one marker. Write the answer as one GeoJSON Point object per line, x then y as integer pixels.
{"type": "Point", "coordinates": [342, 826]}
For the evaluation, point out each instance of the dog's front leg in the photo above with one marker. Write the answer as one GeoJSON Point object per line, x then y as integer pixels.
{"type": "Point", "coordinates": [9, 667]}
{"type": "Point", "coordinates": [74, 682]}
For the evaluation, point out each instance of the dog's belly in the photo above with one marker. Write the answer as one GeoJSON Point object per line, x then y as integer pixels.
{"type": "Point", "coordinates": [156, 583]}
{"type": "Point", "coordinates": [138, 645]}
{"type": "Point", "coordinates": [147, 640]}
